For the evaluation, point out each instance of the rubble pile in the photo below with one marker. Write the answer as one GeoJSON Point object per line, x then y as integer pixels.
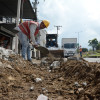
{"type": "Point", "coordinates": [73, 80]}
{"type": "Point", "coordinates": [85, 76]}
{"type": "Point", "coordinates": [4, 53]}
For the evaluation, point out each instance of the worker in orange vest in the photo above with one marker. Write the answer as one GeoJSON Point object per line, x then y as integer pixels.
{"type": "Point", "coordinates": [80, 51]}
{"type": "Point", "coordinates": [28, 31]}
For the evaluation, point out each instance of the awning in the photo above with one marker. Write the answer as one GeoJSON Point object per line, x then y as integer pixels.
{"type": "Point", "coordinates": [8, 8]}
{"type": "Point", "coordinates": [8, 29]}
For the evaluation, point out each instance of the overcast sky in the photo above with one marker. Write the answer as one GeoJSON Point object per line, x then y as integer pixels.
{"type": "Point", "coordinates": [75, 16]}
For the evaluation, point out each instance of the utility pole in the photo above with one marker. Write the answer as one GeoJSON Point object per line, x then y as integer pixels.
{"type": "Point", "coordinates": [35, 3]}
{"type": "Point", "coordinates": [58, 28]}
{"type": "Point", "coordinates": [78, 39]}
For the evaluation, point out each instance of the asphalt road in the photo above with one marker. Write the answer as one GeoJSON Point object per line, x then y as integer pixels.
{"type": "Point", "coordinates": [92, 59]}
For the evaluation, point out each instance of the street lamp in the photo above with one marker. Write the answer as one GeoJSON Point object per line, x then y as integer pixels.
{"type": "Point", "coordinates": [78, 37]}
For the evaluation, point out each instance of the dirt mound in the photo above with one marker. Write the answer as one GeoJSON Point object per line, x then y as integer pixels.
{"type": "Point", "coordinates": [74, 80]}
{"type": "Point", "coordinates": [84, 75]}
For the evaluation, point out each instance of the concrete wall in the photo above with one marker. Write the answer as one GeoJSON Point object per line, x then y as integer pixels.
{"type": "Point", "coordinates": [42, 41]}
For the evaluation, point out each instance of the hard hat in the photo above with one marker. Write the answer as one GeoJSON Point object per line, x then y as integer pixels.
{"type": "Point", "coordinates": [46, 23]}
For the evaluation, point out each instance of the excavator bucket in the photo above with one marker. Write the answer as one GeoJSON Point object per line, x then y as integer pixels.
{"type": "Point", "coordinates": [42, 49]}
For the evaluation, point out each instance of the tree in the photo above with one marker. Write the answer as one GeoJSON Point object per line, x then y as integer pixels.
{"type": "Point", "coordinates": [93, 43]}
{"type": "Point", "coordinates": [98, 46]}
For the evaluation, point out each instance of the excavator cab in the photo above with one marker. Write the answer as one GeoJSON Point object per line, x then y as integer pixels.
{"type": "Point", "coordinates": [51, 40]}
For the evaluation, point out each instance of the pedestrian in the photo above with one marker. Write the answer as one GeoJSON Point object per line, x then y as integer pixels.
{"type": "Point", "coordinates": [80, 51]}
{"type": "Point", "coordinates": [28, 31]}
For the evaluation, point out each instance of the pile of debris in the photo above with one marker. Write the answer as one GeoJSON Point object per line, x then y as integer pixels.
{"type": "Point", "coordinates": [84, 79]}
{"type": "Point", "coordinates": [4, 53]}
{"type": "Point", "coordinates": [73, 80]}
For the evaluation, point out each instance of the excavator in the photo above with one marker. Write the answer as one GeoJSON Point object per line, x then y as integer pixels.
{"type": "Point", "coordinates": [52, 45]}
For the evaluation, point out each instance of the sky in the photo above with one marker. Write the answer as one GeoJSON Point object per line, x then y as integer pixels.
{"type": "Point", "coordinates": [79, 19]}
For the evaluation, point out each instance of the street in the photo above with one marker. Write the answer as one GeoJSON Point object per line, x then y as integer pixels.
{"type": "Point", "coordinates": [92, 59]}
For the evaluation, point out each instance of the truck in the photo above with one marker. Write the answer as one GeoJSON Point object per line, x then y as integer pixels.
{"type": "Point", "coordinates": [69, 46]}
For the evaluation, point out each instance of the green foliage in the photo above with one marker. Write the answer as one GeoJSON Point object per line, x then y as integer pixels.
{"type": "Point", "coordinates": [98, 51]}
{"type": "Point", "coordinates": [98, 46]}
{"type": "Point", "coordinates": [84, 50]}
{"type": "Point", "coordinates": [93, 43]}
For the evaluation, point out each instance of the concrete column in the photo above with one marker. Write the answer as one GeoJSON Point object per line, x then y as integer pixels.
{"type": "Point", "coordinates": [17, 22]}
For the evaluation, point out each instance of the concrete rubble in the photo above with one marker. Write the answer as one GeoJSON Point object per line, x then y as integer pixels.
{"type": "Point", "coordinates": [4, 53]}
{"type": "Point", "coordinates": [42, 97]}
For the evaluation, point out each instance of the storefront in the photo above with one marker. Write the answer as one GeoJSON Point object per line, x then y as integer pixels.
{"type": "Point", "coordinates": [7, 33]}
{"type": "Point", "coordinates": [8, 12]}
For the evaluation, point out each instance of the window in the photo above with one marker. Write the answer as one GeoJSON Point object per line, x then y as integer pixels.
{"type": "Point", "coordinates": [70, 45]}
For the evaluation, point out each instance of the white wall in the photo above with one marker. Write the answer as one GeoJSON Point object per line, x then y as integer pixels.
{"type": "Point", "coordinates": [43, 37]}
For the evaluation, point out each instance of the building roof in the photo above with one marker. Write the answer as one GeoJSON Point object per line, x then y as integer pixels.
{"type": "Point", "coordinates": [8, 8]}
{"type": "Point", "coordinates": [8, 29]}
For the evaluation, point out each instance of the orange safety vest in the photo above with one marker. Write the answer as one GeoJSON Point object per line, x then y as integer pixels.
{"type": "Point", "coordinates": [80, 49]}
{"type": "Point", "coordinates": [24, 27]}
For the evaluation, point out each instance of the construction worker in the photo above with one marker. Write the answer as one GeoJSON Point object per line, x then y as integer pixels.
{"type": "Point", "coordinates": [80, 49]}
{"type": "Point", "coordinates": [28, 31]}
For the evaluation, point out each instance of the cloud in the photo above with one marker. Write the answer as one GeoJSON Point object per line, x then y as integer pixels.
{"type": "Point", "coordinates": [74, 16]}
